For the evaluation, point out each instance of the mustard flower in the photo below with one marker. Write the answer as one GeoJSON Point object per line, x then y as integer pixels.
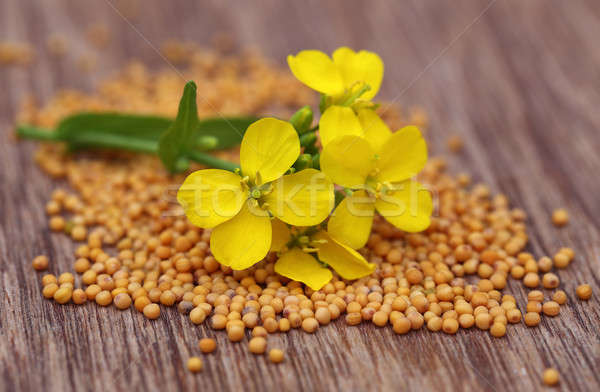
{"type": "Point", "coordinates": [239, 206]}
{"type": "Point", "coordinates": [344, 75]}
{"type": "Point", "coordinates": [304, 250]}
{"type": "Point", "coordinates": [378, 165]}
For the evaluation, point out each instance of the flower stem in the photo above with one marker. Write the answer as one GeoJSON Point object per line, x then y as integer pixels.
{"type": "Point", "coordinates": [211, 161]}
{"type": "Point", "coordinates": [30, 132]}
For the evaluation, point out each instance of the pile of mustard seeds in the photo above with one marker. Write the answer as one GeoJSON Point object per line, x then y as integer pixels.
{"type": "Point", "coordinates": [137, 249]}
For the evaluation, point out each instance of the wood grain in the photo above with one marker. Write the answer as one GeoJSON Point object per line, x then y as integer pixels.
{"type": "Point", "coordinates": [518, 80]}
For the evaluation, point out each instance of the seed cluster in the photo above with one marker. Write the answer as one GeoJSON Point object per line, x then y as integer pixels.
{"type": "Point", "coordinates": [138, 249]}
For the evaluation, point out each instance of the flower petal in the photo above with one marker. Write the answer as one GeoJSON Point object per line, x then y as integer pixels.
{"type": "Point", "coordinates": [408, 207]}
{"type": "Point", "coordinates": [316, 70]}
{"type": "Point", "coordinates": [338, 121]}
{"type": "Point", "coordinates": [375, 130]}
{"type": "Point", "coordinates": [281, 235]}
{"type": "Point", "coordinates": [210, 197]}
{"type": "Point", "coordinates": [244, 240]}
{"type": "Point", "coordinates": [352, 219]}
{"type": "Point", "coordinates": [402, 156]}
{"type": "Point", "coordinates": [347, 262]}
{"type": "Point", "coordinates": [348, 160]}
{"type": "Point", "coordinates": [363, 66]}
{"type": "Point", "coordinates": [270, 146]}
{"type": "Point", "coordinates": [300, 266]}
{"type": "Point", "coordinates": [304, 198]}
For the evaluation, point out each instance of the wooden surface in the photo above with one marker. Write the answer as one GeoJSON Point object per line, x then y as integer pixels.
{"type": "Point", "coordinates": [519, 80]}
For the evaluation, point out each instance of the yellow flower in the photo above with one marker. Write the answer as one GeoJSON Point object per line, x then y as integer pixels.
{"type": "Point", "coordinates": [379, 165]}
{"type": "Point", "coordinates": [297, 248]}
{"type": "Point", "coordinates": [346, 72]}
{"type": "Point", "coordinates": [238, 205]}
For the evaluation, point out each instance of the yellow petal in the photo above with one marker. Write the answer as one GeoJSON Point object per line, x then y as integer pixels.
{"type": "Point", "coordinates": [316, 70]}
{"type": "Point", "coordinates": [281, 235]}
{"type": "Point", "coordinates": [348, 160]}
{"type": "Point", "coordinates": [210, 197]}
{"type": "Point", "coordinates": [408, 207]}
{"type": "Point", "coordinates": [338, 121]}
{"type": "Point", "coordinates": [347, 262]}
{"type": "Point", "coordinates": [304, 198]}
{"type": "Point", "coordinates": [375, 130]}
{"type": "Point", "coordinates": [352, 220]}
{"type": "Point", "coordinates": [360, 67]}
{"type": "Point", "coordinates": [269, 146]}
{"type": "Point", "coordinates": [300, 266]}
{"type": "Point", "coordinates": [242, 241]}
{"type": "Point", "coordinates": [402, 156]}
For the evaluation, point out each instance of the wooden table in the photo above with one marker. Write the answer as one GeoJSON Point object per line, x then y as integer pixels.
{"type": "Point", "coordinates": [518, 80]}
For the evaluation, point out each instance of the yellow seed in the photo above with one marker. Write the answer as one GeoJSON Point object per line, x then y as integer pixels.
{"type": "Point", "coordinates": [498, 329]}
{"type": "Point", "coordinates": [310, 325]}
{"type": "Point", "coordinates": [466, 320]}
{"type": "Point", "coordinates": [257, 345]}
{"type": "Point", "coordinates": [550, 280]}
{"type": "Point", "coordinates": [79, 297]}
{"type": "Point", "coordinates": [151, 311]}
{"type": "Point", "coordinates": [48, 278]}
{"type": "Point", "coordinates": [63, 295]}
{"type": "Point", "coordinates": [531, 280]}
{"type": "Point", "coordinates": [483, 321]}
{"type": "Point", "coordinates": [49, 290]}
{"type": "Point", "coordinates": [434, 324]}
{"type": "Point", "coordinates": [584, 292]}
{"type": "Point", "coordinates": [560, 217]}
{"type": "Point", "coordinates": [513, 316]}
{"type": "Point", "coordinates": [561, 260]}
{"type": "Point", "coordinates": [323, 316]}
{"type": "Point", "coordinates": [380, 318]}
{"type": "Point", "coordinates": [560, 297]}
{"type": "Point", "coordinates": [40, 263]}
{"type": "Point", "coordinates": [276, 355]}
{"type": "Point", "coordinates": [353, 318]}
{"type": "Point", "coordinates": [402, 326]}
{"type": "Point", "coordinates": [197, 315]}
{"type": "Point", "coordinates": [551, 377]}
{"type": "Point", "coordinates": [104, 298]}
{"type": "Point", "coordinates": [550, 308]}
{"type": "Point", "coordinates": [236, 333]}
{"type": "Point", "coordinates": [207, 345]}
{"type": "Point", "coordinates": [532, 319]}
{"type": "Point", "coordinates": [122, 301]}
{"type": "Point", "coordinates": [194, 364]}
{"type": "Point", "coordinates": [450, 326]}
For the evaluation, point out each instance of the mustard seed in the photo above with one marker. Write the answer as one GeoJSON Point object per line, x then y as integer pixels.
{"type": "Point", "coordinates": [560, 217]}
{"type": "Point", "coordinates": [531, 280]}
{"type": "Point", "coordinates": [353, 318]}
{"type": "Point", "coordinates": [560, 297]}
{"type": "Point", "coordinates": [584, 292]}
{"type": "Point", "coordinates": [466, 320]}
{"type": "Point", "coordinates": [402, 326]}
{"type": "Point", "coordinates": [197, 315]}
{"type": "Point", "coordinates": [513, 315]}
{"type": "Point", "coordinates": [151, 311]}
{"type": "Point", "coordinates": [550, 377]}
{"type": "Point", "coordinates": [257, 345]}
{"type": "Point", "coordinates": [207, 345]}
{"type": "Point", "coordinates": [40, 263]}
{"type": "Point", "coordinates": [49, 290]}
{"type": "Point", "coordinates": [276, 355]}
{"type": "Point", "coordinates": [450, 326]}
{"type": "Point", "coordinates": [498, 329]}
{"type": "Point", "coordinates": [79, 297]}
{"type": "Point", "coordinates": [532, 319]}
{"type": "Point", "coordinates": [323, 316]}
{"type": "Point", "coordinates": [561, 260]}
{"type": "Point", "coordinates": [122, 301]}
{"type": "Point", "coordinates": [48, 278]}
{"type": "Point", "coordinates": [104, 298]}
{"type": "Point", "coordinates": [535, 295]}
{"type": "Point", "coordinates": [550, 281]}
{"type": "Point", "coordinates": [194, 364]}
{"type": "Point", "coordinates": [551, 308]}
{"type": "Point", "coordinates": [310, 325]}
{"type": "Point", "coordinates": [63, 295]}
{"type": "Point", "coordinates": [236, 333]}
{"type": "Point", "coordinates": [380, 318]}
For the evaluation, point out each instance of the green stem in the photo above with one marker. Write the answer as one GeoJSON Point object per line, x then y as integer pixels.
{"type": "Point", "coordinates": [30, 132]}
{"type": "Point", "coordinates": [211, 161]}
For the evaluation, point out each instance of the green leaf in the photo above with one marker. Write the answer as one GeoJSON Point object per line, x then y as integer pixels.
{"type": "Point", "coordinates": [182, 134]}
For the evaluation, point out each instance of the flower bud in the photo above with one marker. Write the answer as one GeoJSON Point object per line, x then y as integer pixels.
{"type": "Point", "coordinates": [302, 119]}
